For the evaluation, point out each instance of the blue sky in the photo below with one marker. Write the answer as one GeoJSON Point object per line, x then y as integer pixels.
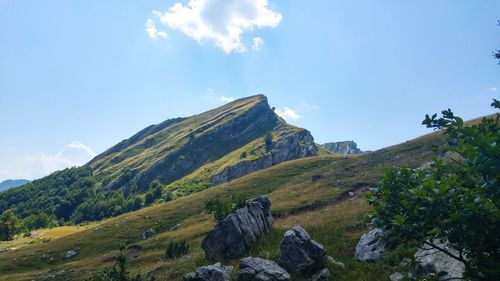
{"type": "Point", "coordinates": [76, 77]}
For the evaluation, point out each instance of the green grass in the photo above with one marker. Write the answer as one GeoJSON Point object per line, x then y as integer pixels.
{"type": "Point", "coordinates": [336, 224]}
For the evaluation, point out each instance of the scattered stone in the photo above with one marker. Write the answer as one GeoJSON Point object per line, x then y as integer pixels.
{"type": "Point", "coordinates": [350, 193]}
{"type": "Point", "coordinates": [214, 272]}
{"type": "Point", "coordinates": [370, 247]}
{"type": "Point", "coordinates": [233, 236]}
{"type": "Point", "coordinates": [257, 269]}
{"type": "Point", "coordinates": [69, 254]}
{"type": "Point", "coordinates": [45, 256]}
{"type": "Point", "coordinates": [322, 275]}
{"type": "Point", "coordinates": [434, 261]}
{"type": "Point", "coordinates": [148, 233]}
{"type": "Point", "coordinates": [174, 227]}
{"type": "Point", "coordinates": [299, 254]}
{"type": "Point", "coordinates": [427, 165]}
{"type": "Point", "coordinates": [338, 264]}
{"type": "Point", "coordinates": [316, 177]}
{"type": "Point", "coordinates": [396, 276]}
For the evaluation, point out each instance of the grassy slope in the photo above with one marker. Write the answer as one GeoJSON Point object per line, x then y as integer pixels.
{"type": "Point", "coordinates": [253, 150]}
{"type": "Point", "coordinates": [296, 199]}
{"type": "Point", "coordinates": [151, 148]}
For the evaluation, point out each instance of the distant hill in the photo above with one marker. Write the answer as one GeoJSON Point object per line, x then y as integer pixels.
{"type": "Point", "coordinates": [343, 147]}
{"type": "Point", "coordinates": [6, 184]}
{"type": "Point", "coordinates": [162, 162]}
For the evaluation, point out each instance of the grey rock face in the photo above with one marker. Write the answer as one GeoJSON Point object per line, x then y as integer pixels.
{"type": "Point", "coordinates": [434, 261]}
{"type": "Point", "coordinates": [322, 275]}
{"type": "Point", "coordinates": [214, 272]}
{"type": "Point", "coordinates": [342, 147]}
{"type": "Point", "coordinates": [370, 247]}
{"type": "Point", "coordinates": [292, 146]}
{"type": "Point", "coordinates": [257, 269]}
{"type": "Point", "coordinates": [147, 234]}
{"type": "Point", "coordinates": [299, 254]}
{"type": "Point", "coordinates": [233, 236]}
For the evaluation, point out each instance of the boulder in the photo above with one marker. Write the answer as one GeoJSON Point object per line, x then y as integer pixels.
{"type": "Point", "coordinates": [299, 254]}
{"type": "Point", "coordinates": [233, 236]}
{"type": "Point", "coordinates": [434, 261]}
{"type": "Point", "coordinates": [214, 272]}
{"type": "Point", "coordinates": [148, 233]}
{"type": "Point", "coordinates": [69, 254]}
{"type": "Point", "coordinates": [257, 269]}
{"type": "Point", "coordinates": [396, 276]}
{"type": "Point", "coordinates": [322, 275]}
{"type": "Point", "coordinates": [370, 247]}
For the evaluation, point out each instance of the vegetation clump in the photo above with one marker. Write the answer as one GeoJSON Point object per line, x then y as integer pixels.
{"type": "Point", "coordinates": [457, 201]}
{"type": "Point", "coordinates": [221, 209]}
{"type": "Point", "coordinates": [176, 249]}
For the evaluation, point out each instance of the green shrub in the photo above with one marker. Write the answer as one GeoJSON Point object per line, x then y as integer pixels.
{"type": "Point", "coordinates": [221, 210]}
{"type": "Point", "coordinates": [457, 200]}
{"type": "Point", "coordinates": [176, 249]}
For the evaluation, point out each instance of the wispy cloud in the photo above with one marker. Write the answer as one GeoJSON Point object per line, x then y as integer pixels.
{"type": "Point", "coordinates": [152, 31]}
{"type": "Point", "coordinates": [220, 22]}
{"type": "Point", "coordinates": [288, 114]}
{"type": "Point", "coordinates": [492, 89]}
{"type": "Point", "coordinates": [226, 99]}
{"type": "Point", "coordinates": [309, 106]}
{"type": "Point", "coordinates": [257, 43]}
{"type": "Point", "coordinates": [73, 154]}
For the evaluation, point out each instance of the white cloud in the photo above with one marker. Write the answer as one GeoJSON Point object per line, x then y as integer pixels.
{"type": "Point", "coordinates": [288, 114]}
{"type": "Point", "coordinates": [152, 31]}
{"type": "Point", "coordinates": [73, 154]}
{"type": "Point", "coordinates": [226, 99]}
{"type": "Point", "coordinates": [257, 43]}
{"type": "Point", "coordinates": [221, 22]}
{"type": "Point", "coordinates": [492, 89]}
{"type": "Point", "coordinates": [309, 106]}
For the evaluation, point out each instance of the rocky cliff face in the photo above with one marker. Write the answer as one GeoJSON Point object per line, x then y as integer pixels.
{"type": "Point", "coordinates": [211, 144]}
{"type": "Point", "coordinates": [291, 146]}
{"type": "Point", "coordinates": [343, 147]}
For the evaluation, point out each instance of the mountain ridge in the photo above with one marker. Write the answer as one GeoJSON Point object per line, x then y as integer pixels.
{"type": "Point", "coordinates": [165, 161]}
{"type": "Point", "coordinates": [10, 183]}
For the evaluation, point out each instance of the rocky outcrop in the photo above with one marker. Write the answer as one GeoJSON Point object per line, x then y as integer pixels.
{"type": "Point", "coordinates": [233, 236]}
{"type": "Point", "coordinates": [322, 275]}
{"type": "Point", "coordinates": [214, 272]}
{"type": "Point", "coordinates": [432, 261]}
{"type": "Point", "coordinates": [299, 254]}
{"type": "Point", "coordinates": [293, 145]}
{"type": "Point", "coordinates": [257, 269]}
{"type": "Point", "coordinates": [342, 147]}
{"type": "Point", "coordinates": [147, 234]}
{"type": "Point", "coordinates": [370, 247]}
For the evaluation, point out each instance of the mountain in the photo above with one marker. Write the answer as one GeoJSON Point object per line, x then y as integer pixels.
{"type": "Point", "coordinates": [342, 147]}
{"type": "Point", "coordinates": [217, 146]}
{"type": "Point", "coordinates": [6, 184]}
{"type": "Point", "coordinates": [166, 161]}
{"type": "Point", "coordinates": [312, 192]}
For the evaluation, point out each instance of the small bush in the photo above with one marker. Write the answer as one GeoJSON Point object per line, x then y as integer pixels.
{"type": "Point", "coordinates": [243, 155]}
{"type": "Point", "coordinates": [221, 210]}
{"type": "Point", "coordinates": [176, 249]}
{"type": "Point", "coordinates": [268, 141]}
